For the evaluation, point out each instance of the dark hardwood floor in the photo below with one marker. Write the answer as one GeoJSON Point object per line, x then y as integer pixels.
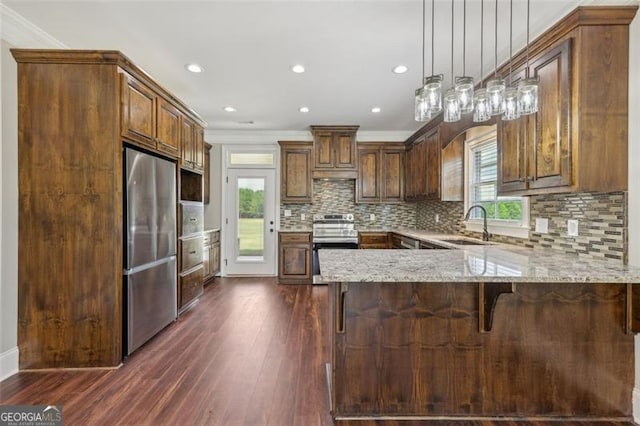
{"type": "Point", "coordinates": [251, 352]}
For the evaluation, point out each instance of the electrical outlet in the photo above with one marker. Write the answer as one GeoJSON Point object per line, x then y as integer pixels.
{"type": "Point", "coordinates": [572, 227]}
{"type": "Point", "coordinates": [372, 217]}
{"type": "Point", "coordinates": [437, 218]}
{"type": "Point", "coordinates": [542, 225]}
{"type": "Point", "coordinates": [303, 216]}
{"type": "Point", "coordinates": [287, 213]}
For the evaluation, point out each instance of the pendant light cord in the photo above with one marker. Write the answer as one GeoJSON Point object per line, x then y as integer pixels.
{"type": "Point", "coordinates": [464, 37]}
{"type": "Point", "coordinates": [452, 10]}
{"type": "Point", "coordinates": [495, 45]}
{"type": "Point", "coordinates": [528, 34]}
{"type": "Point", "coordinates": [433, 36]}
{"type": "Point", "coordinates": [481, 37]}
{"type": "Point", "coordinates": [510, 40]}
{"type": "Point", "coordinates": [423, 39]}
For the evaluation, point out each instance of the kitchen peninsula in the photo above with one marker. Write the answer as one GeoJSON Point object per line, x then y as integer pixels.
{"type": "Point", "coordinates": [483, 332]}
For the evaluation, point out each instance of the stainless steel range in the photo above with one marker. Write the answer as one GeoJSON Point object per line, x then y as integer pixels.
{"type": "Point", "coordinates": [335, 231]}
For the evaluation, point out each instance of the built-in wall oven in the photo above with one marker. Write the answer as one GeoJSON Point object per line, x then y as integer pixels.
{"type": "Point", "coordinates": [336, 231]}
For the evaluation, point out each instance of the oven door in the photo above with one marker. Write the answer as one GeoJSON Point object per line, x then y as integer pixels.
{"type": "Point", "coordinates": [334, 245]}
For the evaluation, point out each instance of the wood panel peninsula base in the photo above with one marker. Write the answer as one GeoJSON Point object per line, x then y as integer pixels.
{"type": "Point", "coordinates": [429, 350]}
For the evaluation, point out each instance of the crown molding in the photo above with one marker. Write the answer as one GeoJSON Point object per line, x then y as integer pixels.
{"type": "Point", "coordinates": [244, 137]}
{"type": "Point", "coordinates": [19, 32]}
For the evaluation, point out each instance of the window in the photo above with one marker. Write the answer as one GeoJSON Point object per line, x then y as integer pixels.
{"type": "Point", "coordinates": [505, 215]}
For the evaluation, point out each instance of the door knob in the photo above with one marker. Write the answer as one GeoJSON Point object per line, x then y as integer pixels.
{"type": "Point", "coordinates": [270, 222]}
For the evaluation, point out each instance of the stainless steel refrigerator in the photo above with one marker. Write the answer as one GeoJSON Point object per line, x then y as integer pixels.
{"type": "Point", "coordinates": [150, 247]}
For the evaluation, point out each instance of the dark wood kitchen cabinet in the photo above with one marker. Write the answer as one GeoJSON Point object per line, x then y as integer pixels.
{"type": "Point", "coordinates": [192, 146]}
{"type": "Point", "coordinates": [452, 170]}
{"type": "Point", "coordinates": [380, 173]}
{"type": "Point", "coordinates": [373, 240]}
{"type": "Point", "coordinates": [423, 168]}
{"type": "Point", "coordinates": [334, 149]}
{"type": "Point", "coordinates": [211, 254]}
{"type": "Point", "coordinates": [577, 141]}
{"type": "Point", "coordinates": [296, 161]}
{"type": "Point", "coordinates": [76, 110]}
{"type": "Point", "coordinates": [294, 257]}
{"type": "Point", "coordinates": [206, 175]}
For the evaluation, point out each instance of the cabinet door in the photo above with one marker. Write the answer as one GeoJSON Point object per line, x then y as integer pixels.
{"type": "Point", "coordinates": [368, 183]}
{"type": "Point", "coordinates": [198, 148]}
{"type": "Point", "coordinates": [295, 262]}
{"type": "Point", "coordinates": [512, 152]}
{"type": "Point", "coordinates": [295, 180]}
{"type": "Point", "coordinates": [188, 134]}
{"type": "Point", "coordinates": [344, 145]}
{"type": "Point", "coordinates": [419, 169]}
{"type": "Point", "coordinates": [323, 150]}
{"type": "Point", "coordinates": [215, 258]}
{"type": "Point", "coordinates": [432, 148]}
{"type": "Point", "coordinates": [206, 262]}
{"type": "Point", "coordinates": [168, 128]}
{"type": "Point", "coordinates": [452, 170]}
{"type": "Point", "coordinates": [410, 184]}
{"type": "Point", "coordinates": [550, 147]}
{"type": "Point", "coordinates": [392, 176]}
{"type": "Point", "coordinates": [138, 112]}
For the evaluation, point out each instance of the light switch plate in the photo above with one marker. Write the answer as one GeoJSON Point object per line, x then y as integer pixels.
{"type": "Point", "coordinates": [372, 217]}
{"type": "Point", "coordinates": [303, 216]}
{"type": "Point", "coordinates": [437, 218]}
{"type": "Point", "coordinates": [287, 213]}
{"type": "Point", "coordinates": [572, 227]}
{"type": "Point", "coordinates": [542, 225]}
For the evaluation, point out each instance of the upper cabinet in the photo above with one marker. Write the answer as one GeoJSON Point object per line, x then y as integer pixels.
{"type": "Point", "coordinates": [334, 151]}
{"type": "Point", "coordinates": [380, 173]}
{"type": "Point", "coordinates": [423, 168]}
{"type": "Point", "coordinates": [577, 141]}
{"type": "Point", "coordinates": [168, 128]}
{"type": "Point", "coordinates": [452, 176]}
{"type": "Point", "coordinates": [296, 160]}
{"type": "Point", "coordinates": [138, 112]}
{"type": "Point", "coordinates": [192, 146]}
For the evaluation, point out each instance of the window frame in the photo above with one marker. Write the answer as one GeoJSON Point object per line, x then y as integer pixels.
{"type": "Point", "coordinates": [476, 137]}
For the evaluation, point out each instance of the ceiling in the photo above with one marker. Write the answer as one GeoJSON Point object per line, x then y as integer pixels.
{"type": "Point", "coordinates": [247, 48]}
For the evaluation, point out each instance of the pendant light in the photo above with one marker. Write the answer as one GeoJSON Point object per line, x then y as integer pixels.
{"type": "Point", "coordinates": [528, 88]}
{"type": "Point", "coordinates": [511, 111]}
{"type": "Point", "coordinates": [481, 109]}
{"type": "Point", "coordinates": [433, 84]}
{"type": "Point", "coordinates": [464, 84]}
{"type": "Point", "coordinates": [420, 112]}
{"type": "Point", "coordinates": [496, 86]}
{"type": "Point", "coordinates": [451, 104]}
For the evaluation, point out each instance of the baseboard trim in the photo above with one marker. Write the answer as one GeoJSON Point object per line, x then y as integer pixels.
{"type": "Point", "coordinates": [9, 361]}
{"type": "Point", "coordinates": [635, 401]}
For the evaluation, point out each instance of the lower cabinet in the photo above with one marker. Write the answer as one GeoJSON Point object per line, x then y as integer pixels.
{"type": "Point", "coordinates": [211, 254]}
{"type": "Point", "coordinates": [373, 240]}
{"type": "Point", "coordinates": [190, 285]}
{"type": "Point", "coordinates": [294, 257]}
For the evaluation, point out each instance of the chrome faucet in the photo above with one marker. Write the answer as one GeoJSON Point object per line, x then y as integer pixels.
{"type": "Point", "coordinates": [485, 232]}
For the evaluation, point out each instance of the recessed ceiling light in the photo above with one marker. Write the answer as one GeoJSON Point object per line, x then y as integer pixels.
{"type": "Point", "coordinates": [229, 108]}
{"type": "Point", "coordinates": [298, 69]}
{"type": "Point", "coordinates": [194, 68]}
{"type": "Point", "coordinates": [303, 109]}
{"type": "Point", "coordinates": [375, 109]}
{"type": "Point", "coordinates": [400, 69]}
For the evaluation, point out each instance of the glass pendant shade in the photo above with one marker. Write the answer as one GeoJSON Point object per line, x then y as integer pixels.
{"type": "Point", "coordinates": [528, 96]}
{"type": "Point", "coordinates": [464, 92]}
{"type": "Point", "coordinates": [451, 106]}
{"type": "Point", "coordinates": [495, 92]}
{"type": "Point", "coordinates": [481, 110]}
{"type": "Point", "coordinates": [420, 108]}
{"type": "Point", "coordinates": [511, 104]}
{"type": "Point", "coordinates": [433, 94]}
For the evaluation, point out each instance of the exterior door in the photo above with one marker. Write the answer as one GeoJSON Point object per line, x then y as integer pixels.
{"type": "Point", "coordinates": [250, 218]}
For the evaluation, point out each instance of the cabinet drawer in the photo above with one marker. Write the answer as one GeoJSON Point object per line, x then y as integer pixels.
{"type": "Point", "coordinates": [295, 237]}
{"type": "Point", "coordinates": [192, 215]}
{"type": "Point", "coordinates": [211, 237]}
{"type": "Point", "coordinates": [191, 250]}
{"type": "Point", "coordinates": [191, 285]}
{"type": "Point", "coordinates": [373, 239]}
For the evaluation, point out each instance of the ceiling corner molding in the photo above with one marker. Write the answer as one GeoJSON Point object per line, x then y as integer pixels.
{"type": "Point", "coordinates": [22, 33]}
{"type": "Point", "coordinates": [250, 137]}
{"type": "Point", "coordinates": [383, 136]}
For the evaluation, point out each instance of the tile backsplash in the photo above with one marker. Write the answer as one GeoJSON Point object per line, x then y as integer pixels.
{"type": "Point", "coordinates": [602, 217]}
{"type": "Point", "coordinates": [338, 196]}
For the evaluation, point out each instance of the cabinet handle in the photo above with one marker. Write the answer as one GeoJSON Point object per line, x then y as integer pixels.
{"type": "Point", "coordinates": [341, 314]}
{"type": "Point", "coordinates": [193, 219]}
{"type": "Point", "coordinates": [192, 252]}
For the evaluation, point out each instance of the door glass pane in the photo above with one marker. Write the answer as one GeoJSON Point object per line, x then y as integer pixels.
{"type": "Point", "coordinates": [251, 218]}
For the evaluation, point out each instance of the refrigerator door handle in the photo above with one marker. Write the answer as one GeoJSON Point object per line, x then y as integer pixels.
{"type": "Point", "coordinates": [147, 266]}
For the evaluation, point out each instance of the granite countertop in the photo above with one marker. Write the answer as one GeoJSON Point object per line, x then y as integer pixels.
{"type": "Point", "coordinates": [490, 263]}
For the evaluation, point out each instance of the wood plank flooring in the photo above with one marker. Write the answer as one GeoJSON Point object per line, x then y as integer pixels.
{"type": "Point", "coordinates": [251, 352]}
